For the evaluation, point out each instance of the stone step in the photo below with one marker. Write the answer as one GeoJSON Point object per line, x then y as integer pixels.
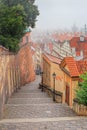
{"type": "Point", "coordinates": [30, 88]}
{"type": "Point", "coordinates": [33, 120]}
{"type": "Point", "coordinates": [29, 101]}
{"type": "Point", "coordinates": [61, 123]}
{"type": "Point", "coordinates": [29, 91]}
{"type": "Point", "coordinates": [37, 111]}
{"type": "Point", "coordinates": [31, 109]}
{"type": "Point", "coordinates": [30, 95]}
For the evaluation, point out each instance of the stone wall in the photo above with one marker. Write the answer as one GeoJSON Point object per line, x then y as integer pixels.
{"type": "Point", "coordinates": [80, 109]}
{"type": "Point", "coordinates": [9, 78]}
{"type": "Point", "coordinates": [25, 61]}
{"type": "Point", "coordinates": [15, 71]}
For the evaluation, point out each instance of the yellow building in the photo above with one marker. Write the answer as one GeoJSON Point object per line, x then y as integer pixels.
{"type": "Point", "coordinates": [51, 65]}
{"type": "Point", "coordinates": [67, 76]}
{"type": "Point", "coordinates": [71, 78]}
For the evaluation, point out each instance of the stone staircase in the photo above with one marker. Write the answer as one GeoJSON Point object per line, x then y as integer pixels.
{"type": "Point", "coordinates": [31, 109]}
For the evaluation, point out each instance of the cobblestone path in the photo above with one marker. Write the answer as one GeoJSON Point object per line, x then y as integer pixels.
{"type": "Point", "coordinates": [31, 109]}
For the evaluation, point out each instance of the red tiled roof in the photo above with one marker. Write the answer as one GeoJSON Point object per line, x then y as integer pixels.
{"type": "Point", "coordinates": [33, 52]}
{"type": "Point", "coordinates": [82, 66]}
{"type": "Point", "coordinates": [71, 63]}
{"type": "Point", "coordinates": [76, 68]}
{"type": "Point", "coordinates": [80, 46]}
{"type": "Point", "coordinates": [75, 41]}
{"type": "Point", "coordinates": [65, 36]}
{"type": "Point", "coordinates": [51, 46]}
{"type": "Point", "coordinates": [53, 58]}
{"type": "Point", "coordinates": [61, 37]}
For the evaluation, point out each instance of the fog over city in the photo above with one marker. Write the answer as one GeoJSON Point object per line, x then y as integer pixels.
{"type": "Point", "coordinates": [61, 14]}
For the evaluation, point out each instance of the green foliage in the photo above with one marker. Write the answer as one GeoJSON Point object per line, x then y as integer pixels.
{"type": "Point", "coordinates": [30, 9]}
{"type": "Point", "coordinates": [81, 92]}
{"type": "Point", "coordinates": [10, 43]}
{"type": "Point", "coordinates": [12, 20]}
{"type": "Point", "coordinates": [15, 16]}
{"type": "Point", "coordinates": [12, 25]}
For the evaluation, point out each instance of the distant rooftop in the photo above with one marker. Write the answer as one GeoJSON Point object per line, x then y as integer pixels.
{"type": "Point", "coordinates": [53, 58]}
{"type": "Point", "coordinates": [76, 68]}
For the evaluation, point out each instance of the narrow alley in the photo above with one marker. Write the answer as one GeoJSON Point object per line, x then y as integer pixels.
{"type": "Point", "coordinates": [31, 109]}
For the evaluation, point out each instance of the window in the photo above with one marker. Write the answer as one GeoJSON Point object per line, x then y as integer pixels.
{"type": "Point", "coordinates": [26, 39]}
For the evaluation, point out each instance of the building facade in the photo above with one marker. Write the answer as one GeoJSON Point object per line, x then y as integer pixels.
{"type": "Point", "coordinates": [79, 47]}
{"type": "Point", "coordinates": [67, 72]}
{"type": "Point", "coordinates": [62, 49]}
{"type": "Point", "coordinates": [50, 66]}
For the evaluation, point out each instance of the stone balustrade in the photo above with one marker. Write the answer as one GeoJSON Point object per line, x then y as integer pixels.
{"type": "Point", "coordinates": [80, 109]}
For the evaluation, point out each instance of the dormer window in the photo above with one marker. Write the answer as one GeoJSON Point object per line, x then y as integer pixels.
{"type": "Point", "coordinates": [82, 39]}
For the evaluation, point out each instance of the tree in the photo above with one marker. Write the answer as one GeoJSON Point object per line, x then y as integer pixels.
{"type": "Point", "coordinates": [81, 92]}
{"type": "Point", "coordinates": [30, 9]}
{"type": "Point", "coordinates": [15, 16]}
{"type": "Point", "coordinates": [12, 25]}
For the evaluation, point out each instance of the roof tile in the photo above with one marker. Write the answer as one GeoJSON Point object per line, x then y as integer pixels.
{"type": "Point", "coordinates": [71, 63]}
{"type": "Point", "coordinates": [53, 58]}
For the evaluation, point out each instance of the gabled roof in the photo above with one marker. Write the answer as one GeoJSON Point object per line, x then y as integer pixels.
{"type": "Point", "coordinates": [71, 64]}
{"type": "Point", "coordinates": [64, 36]}
{"type": "Point", "coordinates": [51, 46]}
{"type": "Point", "coordinates": [52, 58]}
{"type": "Point", "coordinates": [79, 45]}
{"type": "Point", "coordinates": [82, 66]}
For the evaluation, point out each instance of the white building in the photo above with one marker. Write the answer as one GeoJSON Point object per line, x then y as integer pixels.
{"type": "Point", "coordinates": [62, 49]}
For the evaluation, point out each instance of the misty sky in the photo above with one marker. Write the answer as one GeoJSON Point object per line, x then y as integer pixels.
{"type": "Point", "coordinates": [61, 13]}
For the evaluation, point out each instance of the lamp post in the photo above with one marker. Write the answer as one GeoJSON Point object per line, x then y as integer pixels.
{"type": "Point", "coordinates": [54, 76]}
{"type": "Point", "coordinates": [41, 73]}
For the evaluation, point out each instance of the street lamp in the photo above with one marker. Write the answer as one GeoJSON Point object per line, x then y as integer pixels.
{"type": "Point", "coordinates": [41, 73]}
{"type": "Point", "coordinates": [54, 76]}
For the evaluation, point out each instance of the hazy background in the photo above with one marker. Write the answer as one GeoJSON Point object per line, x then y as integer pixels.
{"type": "Point", "coordinates": [61, 14]}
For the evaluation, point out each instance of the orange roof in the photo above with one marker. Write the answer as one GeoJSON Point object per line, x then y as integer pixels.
{"type": "Point", "coordinates": [76, 68]}
{"type": "Point", "coordinates": [64, 36]}
{"type": "Point", "coordinates": [72, 66]}
{"type": "Point", "coordinates": [79, 45]}
{"type": "Point", "coordinates": [51, 46]}
{"type": "Point", "coordinates": [53, 58]}
{"type": "Point", "coordinates": [71, 63]}
{"type": "Point", "coordinates": [33, 52]}
{"type": "Point", "coordinates": [75, 41]}
{"type": "Point", "coordinates": [82, 66]}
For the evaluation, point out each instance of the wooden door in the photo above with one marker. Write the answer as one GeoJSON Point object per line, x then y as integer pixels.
{"type": "Point", "coordinates": [67, 94]}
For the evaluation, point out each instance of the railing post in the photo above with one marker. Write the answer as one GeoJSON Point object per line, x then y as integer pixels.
{"type": "Point", "coordinates": [41, 73]}
{"type": "Point", "coordinates": [54, 76]}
